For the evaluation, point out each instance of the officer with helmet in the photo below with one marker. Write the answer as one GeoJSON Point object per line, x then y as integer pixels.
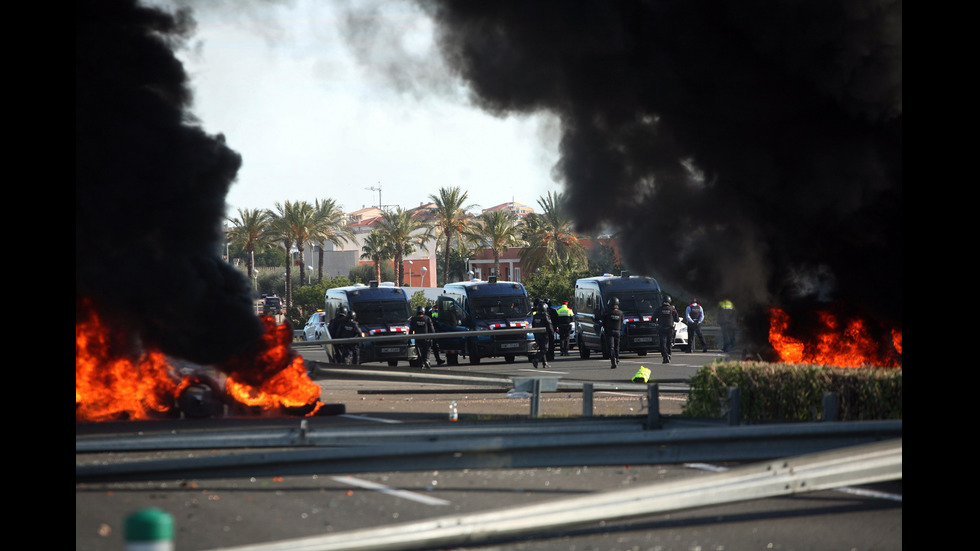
{"type": "Point", "coordinates": [421, 324]}
{"type": "Point", "coordinates": [350, 353]}
{"type": "Point", "coordinates": [333, 328]}
{"type": "Point", "coordinates": [612, 324]}
{"type": "Point", "coordinates": [664, 318]}
{"type": "Point", "coordinates": [541, 318]}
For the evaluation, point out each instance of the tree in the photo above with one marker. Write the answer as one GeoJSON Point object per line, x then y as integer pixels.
{"type": "Point", "coordinates": [377, 250]}
{"type": "Point", "coordinates": [451, 219]}
{"type": "Point", "coordinates": [549, 235]}
{"type": "Point", "coordinates": [291, 225]}
{"type": "Point", "coordinates": [496, 230]}
{"type": "Point", "coordinates": [252, 231]}
{"type": "Point", "coordinates": [329, 225]}
{"type": "Point", "coordinates": [403, 232]}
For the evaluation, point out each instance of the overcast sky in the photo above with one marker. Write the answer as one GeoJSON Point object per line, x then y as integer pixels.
{"type": "Point", "coordinates": [315, 117]}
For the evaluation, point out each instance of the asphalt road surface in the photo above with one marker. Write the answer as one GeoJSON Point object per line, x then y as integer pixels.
{"type": "Point", "coordinates": [219, 513]}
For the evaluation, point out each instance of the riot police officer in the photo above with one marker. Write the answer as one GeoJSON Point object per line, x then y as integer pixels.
{"type": "Point", "coordinates": [664, 318]}
{"type": "Point", "coordinates": [350, 353]}
{"type": "Point", "coordinates": [333, 328]}
{"type": "Point", "coordinates": [612, 324]}
{"type": "Point", "coordinates": [421, 324]}
{"type": "Point", "coordinates": [541, 318]}
{"type": "Point", "coordinates": [552, 341]}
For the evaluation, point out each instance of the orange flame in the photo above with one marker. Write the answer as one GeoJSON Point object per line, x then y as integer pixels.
{"type": "Point", "coordinates": [843, 344]}
{"type": "Point", "coordinates": [114, 383]}
{"type": "Point", "coordinates": [110, 384]}
{"type": "Point", "coordinates": [273, 375]}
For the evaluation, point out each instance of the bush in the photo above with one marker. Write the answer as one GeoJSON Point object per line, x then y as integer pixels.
{"type": "Point", "coordinates": [785, 392]}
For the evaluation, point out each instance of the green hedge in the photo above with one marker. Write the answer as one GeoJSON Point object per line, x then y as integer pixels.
{"type": "Point", "coordinates": [786, 392]}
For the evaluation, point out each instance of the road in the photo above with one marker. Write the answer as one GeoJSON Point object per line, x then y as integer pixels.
{"type": "Point", "coordinates": [216, 513]}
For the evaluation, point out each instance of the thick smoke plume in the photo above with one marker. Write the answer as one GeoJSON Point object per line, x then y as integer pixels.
{"type": "Point", "coordinates": [745, 150]}
{"type": "Point", "coordinates": [150, 190]}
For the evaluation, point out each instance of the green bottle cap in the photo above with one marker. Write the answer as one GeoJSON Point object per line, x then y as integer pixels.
{"type": "Point", "coordinates": [149, 525]}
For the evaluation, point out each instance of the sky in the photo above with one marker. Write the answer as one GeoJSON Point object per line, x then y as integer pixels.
{"type": "Point", "coordinates": [315, 118]}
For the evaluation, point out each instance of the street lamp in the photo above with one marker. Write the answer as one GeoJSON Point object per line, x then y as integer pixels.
{"type": "Point", "coordinates": [309, 275]}
{"type": "Point", "coordinates": [409, 272]}
{"type": "Point", "coordinates": [422, 282]}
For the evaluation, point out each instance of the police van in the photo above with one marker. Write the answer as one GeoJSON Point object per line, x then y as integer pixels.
{"type": "Point", "coordinates": [484, 305]}
{"type": "Point", "coordinates": [639, 297]}
{"type": "Point", "coordinates": [381, 310]}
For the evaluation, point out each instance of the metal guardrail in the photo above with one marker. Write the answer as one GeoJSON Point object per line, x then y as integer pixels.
{"type": "Point", "coordinates": [864, 464]}
{"type": "Point", "coordinates": [529, 448]}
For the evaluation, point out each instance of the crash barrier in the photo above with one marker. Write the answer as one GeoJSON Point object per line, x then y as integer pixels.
{"type": "Point", "coordinates": [468, 445]}
{"type": "Point", "coordinates": [851, 466]}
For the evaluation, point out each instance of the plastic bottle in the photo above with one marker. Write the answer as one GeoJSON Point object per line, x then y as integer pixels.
{"type": "Point", "coordinates": [149, 530]}
{"type": "Point", "coordinates": [453, 414]}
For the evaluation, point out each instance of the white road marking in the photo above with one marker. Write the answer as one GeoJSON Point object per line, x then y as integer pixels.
{"type": "Point", "coordinates": [363, 418]}
{"type": "Point", "coordinates": [404, 494]}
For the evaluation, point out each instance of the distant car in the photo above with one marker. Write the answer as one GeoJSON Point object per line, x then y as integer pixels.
{"type": "Point", "coordinates": [680, 336]}
{"type": "Point", "coordinates": [316, 327]}
{"type": "Point", "coordinates": [272, 305]}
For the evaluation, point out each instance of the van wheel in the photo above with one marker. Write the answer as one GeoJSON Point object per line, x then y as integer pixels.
{"type": "Point", "coordinates": [583, 351]}
{"type": "Point", "coordinates": [509, 358]}
{"type": "Point", "coordinates": [641, 352]}
{"type": "Point", "coordinates": [452, 359]}
{"type": "Point", "coordinates": [474, 359]}
{"type": "Point", "coordinates": [392, 363]}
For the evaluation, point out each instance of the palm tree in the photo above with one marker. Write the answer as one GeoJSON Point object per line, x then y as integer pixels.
{"type": "Point", "coordinates": [377, 250]}
{"type": "Point", "coordinates": [330, 225]}
{"type": "Point", "coordinates": [402, 231]}
{"type": "Point", "coordinates": [549, 235]}
{"type": "Point", "coordinates": [304, 225]}
{"type": "Point", "coordinates": [282, 230]}
{"type": "Point", "coordinates": [451, 219]}
{"type": "Point", "coordinates": [251, 229]}
{"type": "Point", "coordinates": [496, 230]}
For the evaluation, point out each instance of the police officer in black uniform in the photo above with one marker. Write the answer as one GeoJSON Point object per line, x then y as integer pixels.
{"type": "Point", "coordinates": [541, 318]}
{"type": "Point", "coordinates": [334, 329]}
{"type": "Point", "coordinates": [421, 324]}
{"type": "Point", "coordinates": [552, 341]}
{"type": "Point", "coordinates": [612, 324]}
{"type": "Point", "coordinates": [350, 353]}
{"type": "Point", "coordinates": [665, 317]}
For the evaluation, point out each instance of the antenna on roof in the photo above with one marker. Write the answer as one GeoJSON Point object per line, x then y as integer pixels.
{"type": "Point", "coordinates": [378, 189]}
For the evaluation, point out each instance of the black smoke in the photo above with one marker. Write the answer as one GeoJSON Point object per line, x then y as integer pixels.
{"type": "Point", "coordinates": [150, 190]}
{"type": "Point", "coordinates": [749, 150]}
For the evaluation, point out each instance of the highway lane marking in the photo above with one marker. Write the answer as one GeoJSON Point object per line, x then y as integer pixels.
{"type": "Point", "coordinates": [404, 494]}
{"type": "Point", "coordinates": [544, 370]}
{"type": "Point", "coordinates": [844, 489]}
{"type": "Point", "coordinates": [363, 418]}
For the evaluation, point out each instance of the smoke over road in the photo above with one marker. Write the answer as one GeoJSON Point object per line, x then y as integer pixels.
{"type": "Point", "coordinates": [750, 150]}
{"type": "Point", "coordinates": [150, 190]}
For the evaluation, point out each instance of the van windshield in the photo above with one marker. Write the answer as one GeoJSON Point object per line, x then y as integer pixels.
{"type": "Point", "coordinates": [381, 311]}
{"type": "Point", "coordinates": [641, 301]}
{"type": "Point", "coordinates": [500, 307]}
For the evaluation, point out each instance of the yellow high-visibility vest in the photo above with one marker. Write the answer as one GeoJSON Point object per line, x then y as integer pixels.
{"type": "Point", "coordinates": [642, 376]}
